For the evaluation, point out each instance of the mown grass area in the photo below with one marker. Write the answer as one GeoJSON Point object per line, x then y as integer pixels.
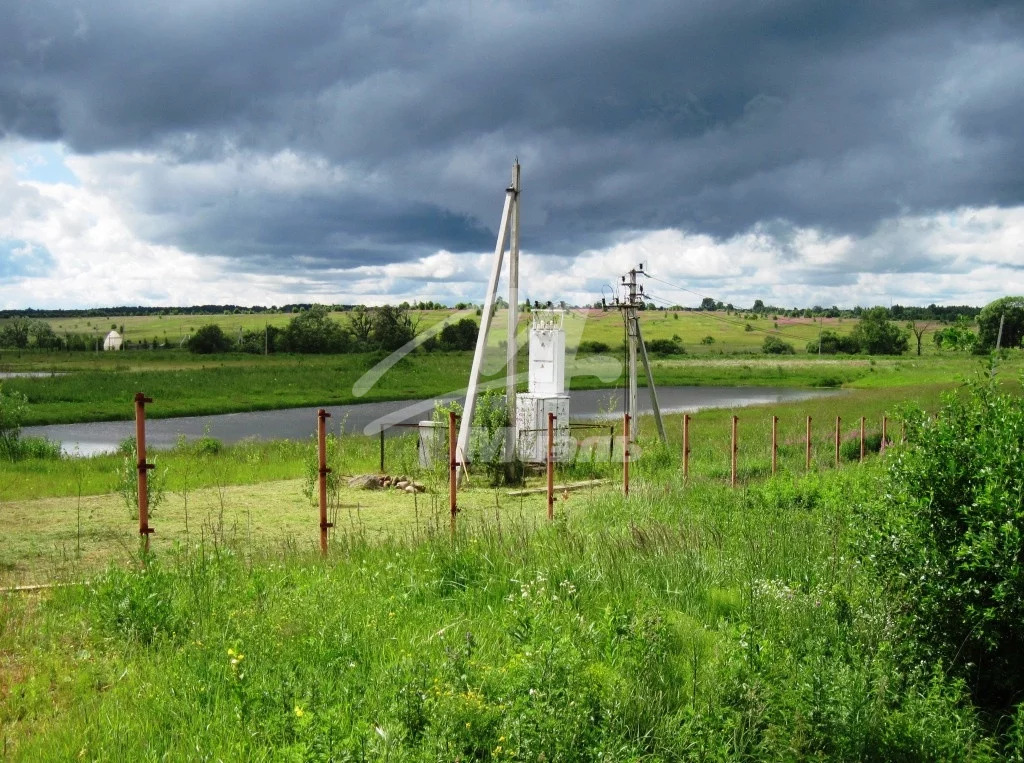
{"type": "Point", "coordinates": [690, 622]}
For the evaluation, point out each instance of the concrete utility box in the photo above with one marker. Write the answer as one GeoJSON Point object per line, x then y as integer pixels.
{"type": "Point", "coordinates": [433, 444]}
{"type": "Point", "coordinates": [532, 426]}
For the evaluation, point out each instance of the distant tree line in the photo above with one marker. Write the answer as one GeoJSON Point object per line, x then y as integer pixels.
{"type": "Point", "coordinates": [315, 331]}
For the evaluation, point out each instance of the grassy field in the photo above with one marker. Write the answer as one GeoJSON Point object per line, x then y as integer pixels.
{"type": "Point", "coordinates": [688, 621]}
{"type": "Point", "coordinates": [48, 507]}
{"type": "Point", "coordinates": [728, 330]}
{"type": "Point", "coordinates": [685, 622]}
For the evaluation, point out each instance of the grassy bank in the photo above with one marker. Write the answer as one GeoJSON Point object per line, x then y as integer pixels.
{"type": "Point", "coordinates": [184, 385]}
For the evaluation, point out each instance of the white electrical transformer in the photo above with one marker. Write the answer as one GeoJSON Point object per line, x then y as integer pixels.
{"type": "Point", "coordinates": [547, 392]}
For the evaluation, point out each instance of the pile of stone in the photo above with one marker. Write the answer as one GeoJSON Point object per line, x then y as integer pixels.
{"type": "Point", "coordinates": [384, 481]}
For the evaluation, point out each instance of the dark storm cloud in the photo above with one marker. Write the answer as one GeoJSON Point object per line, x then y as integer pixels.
{"type": "Point", "coordinates": [713, 116]}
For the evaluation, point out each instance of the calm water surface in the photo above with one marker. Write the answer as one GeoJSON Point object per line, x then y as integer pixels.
{"type": "Point", "coordinates": [370, 418]}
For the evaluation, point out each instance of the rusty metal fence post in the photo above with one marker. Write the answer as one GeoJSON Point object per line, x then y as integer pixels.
{"type": "Point", "coordinates": [807, 454]}
{"type": "Point", "coordinates": [862, 439]}
{"type": "Point", "coordinates": [143, 467]}
{"type": "Point", "coordinates": [775, 443]}
{"type": "Point", "coordinates": [321, 439]}
{"type": "Point", "coordinates": [453, 465]}
{"type": "Point", "coordinates": [885, 428]}
{"type": "Point", "coordinates": [732, 477]}
{"type": "Point", "coordinates": [686, 446]}
{"type": "Point", "coordinates": [625, 454]}
{"type": "Point", "coordinates": [551, 465]}
{"type": "Point", "coordinates": [838, 436]}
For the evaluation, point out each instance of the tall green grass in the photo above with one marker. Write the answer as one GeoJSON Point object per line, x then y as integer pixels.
{"type": "Point", "coordinates": [684, 622]}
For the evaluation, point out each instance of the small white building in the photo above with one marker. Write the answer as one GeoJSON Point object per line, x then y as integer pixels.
{"type": "Point", "coordinates": [112, 341]}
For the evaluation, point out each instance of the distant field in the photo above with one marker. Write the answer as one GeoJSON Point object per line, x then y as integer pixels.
{"type": "Point", "coordinates": [729, 332]}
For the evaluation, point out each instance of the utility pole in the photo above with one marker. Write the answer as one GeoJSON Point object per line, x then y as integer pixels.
{"type": "Point", "coordinates": [509, 212]}
{"type": "Point", "coordinates": [632, 296]}
{"type": "Point", "coordinates": [511, 345]}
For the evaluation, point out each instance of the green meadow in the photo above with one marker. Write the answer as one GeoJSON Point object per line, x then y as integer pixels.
{"type": "Point", "coordinates": [690, 620]}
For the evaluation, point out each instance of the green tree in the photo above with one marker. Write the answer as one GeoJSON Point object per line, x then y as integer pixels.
{"type": "Point", "coordinates": [314, 331]}
{"type": "Point", "coordinates": [1009, 310]}
{"type": "Point", "coordinates": [14, 334]}
{"type": "Point", "coordinates": [832, 343]}
{"type": "Point", "coordinates": [708, 304]}
{"type": "Point", "coordinates": [459, 336]}
{"type": "Point", "coordinates": [959, 336]}
{"type": "Point", "coordinates": [875, 334]}
{"type": "Point", "coordinates": [209, 339]}
{"type": "Point", "coordinates": [43, 335]}
{"type": "Point", "coordinates": [392, 327]}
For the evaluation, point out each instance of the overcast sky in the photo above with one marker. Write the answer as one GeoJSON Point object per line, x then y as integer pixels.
{"type": "Point", "coordinates": [261, 153]}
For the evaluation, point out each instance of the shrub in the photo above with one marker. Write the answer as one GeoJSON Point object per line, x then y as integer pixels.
{"type": "Point", "coordinates": [12, 413]}
{"type": "Point", "coordinates": [832, 343]}
{"type": "Point", "coordinates": [593, 346]}
{"type": "Point", "coordinates": [708, 340]}
{"type": "Point", "coordinates": [952, 537]}
{"type": "Point", "coordinates": [209, 339]}
{"type": "Point", "coordinates": [459, 336]}
{"type": "Point", "coordinates": [665, 347]}
{"type": "Point", "coordinates": [774, 346]}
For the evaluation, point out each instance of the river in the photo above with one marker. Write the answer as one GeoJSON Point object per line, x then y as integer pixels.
{"type": "Point", "coordinates": [369, 418]}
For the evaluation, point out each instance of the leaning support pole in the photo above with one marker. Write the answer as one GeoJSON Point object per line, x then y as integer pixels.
{"type": "Point", "coordinates": [485, 327]}
{"type": "Point", "coordinates": [551, 465]}
{"type": "Point", "coordinates": [885, 430]}
{"type": "Point", "coordinates": [625, 454]}
{"type": "Point", "coordinates": [321, 440]}
{"type": "Point", "coordinates": [650, 380]}
{"type": "Point", "coordinates": [453, 471]}
{"type": "Point", "coordinates": [143, 482]}
{"type": "Point", "coordinates": [732, 471]}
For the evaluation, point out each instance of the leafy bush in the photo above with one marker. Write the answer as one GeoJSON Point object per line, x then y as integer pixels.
{"type": "Point", "coordinates": [314, 331]}
{"type": "Point", "coordinates": [952, 537]}
{"type": "Point", "coordinates": [832, 343]}
{"type": "Point", "coordinates": [459, 336]}
{"type": "Point", "coordinates": [708, 340]}
{"type": "Point", "coordinates": [875, 334]}
{"type": "Point", "coordinates": [594, 347]}
{"type": "Point", "coordinates": [12, 413]}
{"type": "Point", "coordinates": [665, 347]}
{"type": "Point", "coordinates": [774, 346]}
{"type": "Point", "coordinates": [209, 339]}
